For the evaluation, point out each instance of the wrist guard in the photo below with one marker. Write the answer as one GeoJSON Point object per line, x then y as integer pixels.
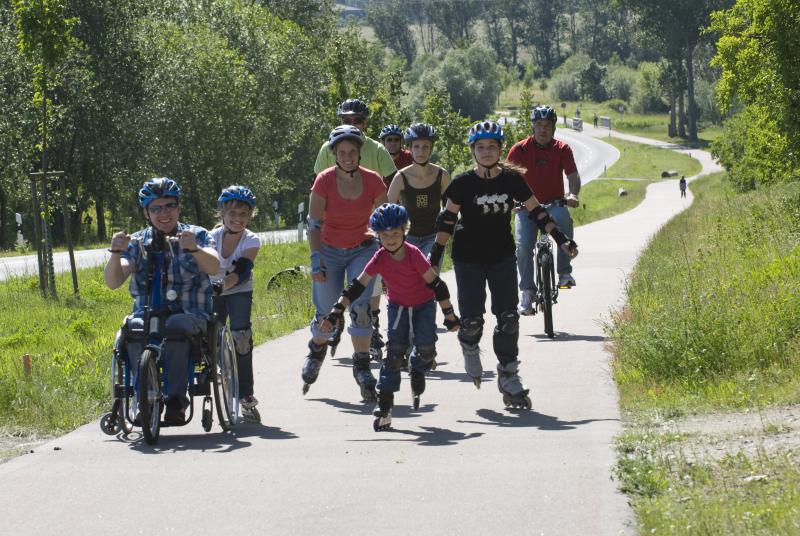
{"type": "Point", "coordinates": [316, 262]}
{"type": "Point", "coordinates": [353, 290]}
{"type": "Point", "coordinates": [450, 324]}
{"type": "Point", "coordinates": [558, 236]}
{"type": "Point", "coordinates": [243, 267]}
{"type": "Point", "coordinates": [435, 257]}
{"type": "Point", "coordinates": [540, 217]}
{"type": "Point", "coordinates": [336, 316]}
{"type": "Point", "coordinates": [439, 289]}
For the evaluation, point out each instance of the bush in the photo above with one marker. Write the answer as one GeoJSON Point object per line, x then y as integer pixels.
{"type": "Point", "coordinates": [614, 104]}
{"type": "Point", "coordinates": [648, 93]}
{"type": "Point", "coordinates": [620, 81]}
{"type": "Point", "coordinates": [565, 87]}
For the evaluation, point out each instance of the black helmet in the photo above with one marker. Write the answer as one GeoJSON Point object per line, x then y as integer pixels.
{"type": "Point", "coordinates": [420, 131]}
{"type": "Point", "coordinates": [390, 130]}
{"type": "Point", "coordinates": [345, 132]}
{"type": "Point", "coordinates": [544, 112]}
{"type": "Point", "coordinates": [355, 107]}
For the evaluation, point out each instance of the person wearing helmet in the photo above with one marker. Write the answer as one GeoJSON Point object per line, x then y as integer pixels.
{"type": "Point", "coordinates": [342, 199]}
{"type": "Point", "coordinates": [237, 248]}
{"type": "Point", "coordinates": [547, 160]}
{"type": "Point", "coordinates": [481, 201]}
{"type": "Point", "coordinates": [189, 254]}
{"type": "Point", "coordinates": [392, 138]}
{"type": "Point", "coordinates": [374, 155]}
{"type": "Point", "coordinates": [414, 289]}
{"type": "Point", "coordinates": [420, 186]}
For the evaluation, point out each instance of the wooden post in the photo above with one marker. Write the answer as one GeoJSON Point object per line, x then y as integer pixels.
{"type": "Point", "coordinates": [37, 236]}
{"type": "Point", "coordinates": [67, 228]}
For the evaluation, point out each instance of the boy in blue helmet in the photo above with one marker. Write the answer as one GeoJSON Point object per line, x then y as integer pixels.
{"type": "Point", "coordinates": [237, 248]}
{"type": "Point", "coordinates": [187, 293]}
{"type": "Point", "coordinates": [413, 290]}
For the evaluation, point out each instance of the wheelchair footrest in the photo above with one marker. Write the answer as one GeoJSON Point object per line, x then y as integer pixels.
{"type": "Point", "coordinates": [203, 389]}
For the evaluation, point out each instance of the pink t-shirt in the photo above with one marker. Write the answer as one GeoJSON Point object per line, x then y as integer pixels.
{"type": "Point", "coordinates": [346, 220]}
{"type": "Point", "coordinates": [402, 278]}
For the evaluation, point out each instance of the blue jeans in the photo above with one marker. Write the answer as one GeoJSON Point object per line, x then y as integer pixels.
{"type": "Point", "coordinates": [527, 233]}
{"type": "Point", "coordinates": [237, 307]}
{"type": "Point", "coordinates": [401, 319]}
{"type": "Point", "coordinates": [342, 266]}
{"type": "Point", "coordinates": [176, 353]}
{"type": "Point", "coordinates": [471, 280]}
{"type": "Point", "coordinates": [423, 243]}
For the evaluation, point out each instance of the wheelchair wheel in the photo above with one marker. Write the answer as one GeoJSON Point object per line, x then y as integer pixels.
{"type": "Point", "coordinates": [121, 393]}
{"type": "Point", "coordinates": [149, 396]}
{"type": "Point", "coordinates": [226, 380]}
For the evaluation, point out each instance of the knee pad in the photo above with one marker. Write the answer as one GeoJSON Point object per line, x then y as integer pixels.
{"type": "Point", "coordinates": [360, 315]}
{"type": "Point", "coordinates": [393, 361]}
{"type": "Point", "coordinates": [509, 323]}
{"type": "Point", "coordinates": [426, 353]}
{"type": "Point", "coordinates": [471, 330]}
{"type": "Point", "coordinates": [242, 340]}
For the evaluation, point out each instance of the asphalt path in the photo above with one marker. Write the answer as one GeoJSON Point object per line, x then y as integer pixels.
{"type": "Point", "coordinates": [461, 464]}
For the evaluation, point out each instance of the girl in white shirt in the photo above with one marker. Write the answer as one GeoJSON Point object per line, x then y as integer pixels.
{"type": "Point", "coordinates": [237, 248]}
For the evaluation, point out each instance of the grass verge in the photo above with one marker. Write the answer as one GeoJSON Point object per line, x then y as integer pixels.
{"type": "Point", "coordinates": [712, 324]}
{"type": "Point", "coordinates": [642, 161]}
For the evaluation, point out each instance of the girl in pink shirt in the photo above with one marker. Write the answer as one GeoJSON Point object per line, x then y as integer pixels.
{"type": "Point", "coordinates": [413, 290]}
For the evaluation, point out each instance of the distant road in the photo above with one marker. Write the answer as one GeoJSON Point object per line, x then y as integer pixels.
{"type": "Point", "coordinates": [87, 258]}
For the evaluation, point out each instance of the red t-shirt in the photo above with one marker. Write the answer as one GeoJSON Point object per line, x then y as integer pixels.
{"type": "Point", "coordinates": [401, 160]}
{"type": "Point", "coordinates": [403, 279]}
{"type": "Point", "coordinates": [346, 220]}
{"type": "Point", "coordinates": [546, 167]}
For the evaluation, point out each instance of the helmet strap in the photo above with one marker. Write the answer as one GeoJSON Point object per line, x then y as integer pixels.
{"type": "Point", "coordinates": [352, 172]}
{"type": "Point", "coordinates": [228, 230]}
{"type": "Point", "coordinates": [488, 169]}
{"type": "Point", "coordinates": [423, 164]}
{"type": "Point", "coordinates": [392, 252]}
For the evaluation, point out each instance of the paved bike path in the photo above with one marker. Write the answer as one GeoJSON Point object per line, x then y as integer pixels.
{"type": "Point", "coordinates": [462, 464]}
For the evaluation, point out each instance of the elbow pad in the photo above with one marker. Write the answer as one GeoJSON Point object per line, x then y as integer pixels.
{"type": "Point", "coordinates": [440, 289]}
{"type": "Point", "coordinates": [314, 223]}
{"type": "Point", "coordinates": [243, 267]}
{"type": "Point", "coordinates": [446, 222]}
{"type": "Point", "coordinates": [353, 290]}
{"type": "Point", "coordinates": [540, 217]}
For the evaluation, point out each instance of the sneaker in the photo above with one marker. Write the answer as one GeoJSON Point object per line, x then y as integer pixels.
{"type": "Point", "coordinates": [527, 303]}
{"type": "Point", "coordinates": [566, 281]}
{"type": "Point", "coordinates": [248, 402]}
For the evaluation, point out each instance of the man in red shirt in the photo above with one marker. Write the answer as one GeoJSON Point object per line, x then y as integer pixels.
{"type": "Point", "coordinates": [546, 160]}
{"type": "Point", "coordinates": [391, 137]}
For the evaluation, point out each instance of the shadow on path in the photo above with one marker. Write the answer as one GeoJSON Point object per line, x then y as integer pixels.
{"type": "Point", "coordinates": [427, 436]}
{"type": "Point", "coordinates": [212, 442]}
{"type": "Point", "coordinates": [527, 418]}
{"type": "Point", "coordinates": [563, 336]}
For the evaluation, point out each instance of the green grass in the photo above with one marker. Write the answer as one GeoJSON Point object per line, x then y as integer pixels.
{"type": "Point", "coordinates": [647, 162]}
{"type": "Point", "coordinates": [712, 323]}
{"type": "Point", "coordinates": [600, 199]}
{"type": "Point", "coordinates": [70, 340]}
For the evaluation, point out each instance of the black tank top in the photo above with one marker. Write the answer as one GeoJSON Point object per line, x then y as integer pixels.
{"type": "Point", "coordinates": [423, 205]}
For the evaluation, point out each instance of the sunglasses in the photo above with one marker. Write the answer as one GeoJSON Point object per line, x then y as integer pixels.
{"type": "Point", "coordinates": [169, 207]}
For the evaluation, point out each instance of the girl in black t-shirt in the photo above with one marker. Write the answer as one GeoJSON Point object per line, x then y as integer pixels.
{"type": "Point", "coordinates": [484, 252]}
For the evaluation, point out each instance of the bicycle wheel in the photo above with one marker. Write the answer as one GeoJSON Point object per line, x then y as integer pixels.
{"type": "Point", "coordinates": [149, 396]}
{"type": "Point", "coordinates": [226, 380]}
{"type": "Point", "coordinates": [547, 292]}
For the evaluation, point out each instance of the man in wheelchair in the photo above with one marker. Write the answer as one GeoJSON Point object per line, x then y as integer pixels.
{"type": "Point", "coordinates": [186, 291]}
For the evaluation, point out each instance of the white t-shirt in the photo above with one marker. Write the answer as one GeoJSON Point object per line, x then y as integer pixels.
{"type": "Point", "coordinates": [247, 241]}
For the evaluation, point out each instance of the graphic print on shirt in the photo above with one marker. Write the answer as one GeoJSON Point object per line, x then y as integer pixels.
{"type": "Point", "coordinates": [422, 200]}
{"type": "Point", "coordinates": [493, 204]}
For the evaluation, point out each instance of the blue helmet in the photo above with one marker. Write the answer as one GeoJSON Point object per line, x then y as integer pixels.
{"type": "Point", "coordinates": [485, 130]}
{"type": "Point", "coordinates": [388, 216]}
{"type": "Point", "coordinates": [158, 188]}
{"type": "Point", "coordinates": [544, 112]}
{"type": "Point", "coordinates": [345, 132]}
{"type": "Point", "coordinates": [390, 130]}
{"type": "Point", "coordinates": [237, 193]}
{"type": "Point", "coordinates": [420, 131]}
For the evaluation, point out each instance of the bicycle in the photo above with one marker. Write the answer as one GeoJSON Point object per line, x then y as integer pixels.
{"type": "Point", "coordinates": [546, 288]}
{"type": "Point", "coordinates": [215, 366]}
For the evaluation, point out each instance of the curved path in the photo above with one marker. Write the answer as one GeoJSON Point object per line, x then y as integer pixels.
{"type": "Point", "coordinates": [462, 464]}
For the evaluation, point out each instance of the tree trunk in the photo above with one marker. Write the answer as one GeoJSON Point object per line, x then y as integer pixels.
{"type": "Point", "coordinates": [100, 214]}
{"type": "Point", "coordinates": [690, 92]}
{"type": "Point", "coordinates": [672, 130]}
{"type": "Point", "coordinates": [681, 117]}
{"type": "Point", "coordinates": [514, 45]}
{"type": "Point", "coordinates": [4, 243]}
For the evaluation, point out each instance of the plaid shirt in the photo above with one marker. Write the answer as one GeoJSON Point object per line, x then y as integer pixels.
{"type": "Point", "coordinates": [183, 276]}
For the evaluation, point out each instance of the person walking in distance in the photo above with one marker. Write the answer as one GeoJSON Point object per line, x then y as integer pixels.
{"type": "Point", "coordinates": [682, 185]}
{"type": "Point", "coordinates": [342, 200]}
{"type": "Point", "coordinates": [546, 161]}
{"type": "Point", "coordinates": [376, 158]}
{"type": "Point", "coordinates": [483, 253]}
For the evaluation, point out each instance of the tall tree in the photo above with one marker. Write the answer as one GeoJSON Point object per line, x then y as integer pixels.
{"type": "Point", "coordinates": [391, 24]}
{"type": "Point", "coordinates": [454, 19]}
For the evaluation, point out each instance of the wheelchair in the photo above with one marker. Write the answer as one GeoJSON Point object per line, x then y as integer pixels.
{"type": "Point", "coordinates": [212, 365]}
{"type": "Point", "coordinates": [212, 369]}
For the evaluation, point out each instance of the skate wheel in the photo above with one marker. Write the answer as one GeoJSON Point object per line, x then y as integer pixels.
{"type": "Point", "coordinates": [305, 388]}
{"type": "Point", "coordinates": [507, 400]}
{"type": "Point", "coordinates": [526, 403]}
{"type": "Point", "coordinates": [433, 365]}
{"type": "Point", "coordinates": [376, 424]}
{"type": "Point", "coordinates": [252, 415]}
{"type": "Point", "coordinates": [333, 349]}
{"type": "Point", "coordinates": [415, 401]}
{"type": "Point", "coordinates": [477, 382]}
